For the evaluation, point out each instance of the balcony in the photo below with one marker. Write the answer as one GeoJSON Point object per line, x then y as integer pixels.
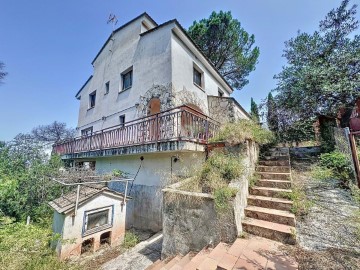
{"type": "Point", "coordinates": [159, 132]}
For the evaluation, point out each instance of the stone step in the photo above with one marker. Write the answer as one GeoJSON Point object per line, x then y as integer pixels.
{"type": "Point", "coordinates": [156, 265]}
{"type": "Point", "coordinates": [227, 262]}
{"type": "Point", "coordinates": [214, 258]}
{"type": "Point", "coordinates": [274, 162]}
{"type": "Point", "coordinates": [274, 175]}
{"type": "Point", "coordinates": [269, 202]}
{"type": "Point", "coordinates": [274, 231]}
{"type": "Point", "coordinates": [197, 260]}
{"type": "Point", "coordinates": [269, 192]}
{"type": "Point", "coordinates": [171, 263]}
{"type": "Point", "coordinates": [273, 183]}
{"type": "Point", "coordinates": [274, 158]}
{"type": "Point", "coordinates": [183, 261]}
{"type": "Point", "coordinates": [272, 215]}
{"type": "Point", "coordinates": [279, 169]}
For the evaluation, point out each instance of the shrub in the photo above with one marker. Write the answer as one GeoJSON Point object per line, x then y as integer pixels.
{"type": "Point", "coordinates": [339, 164]}
{"type": "Point", "coordinates": [130, 240]}
{"type": "Point", "coordinates": [222, 197]}
{"type": "Point", "coordinates": [237, 132]}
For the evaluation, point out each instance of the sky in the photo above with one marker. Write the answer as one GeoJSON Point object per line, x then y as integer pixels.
{"type": "Point", "coordinates": [47, 47]}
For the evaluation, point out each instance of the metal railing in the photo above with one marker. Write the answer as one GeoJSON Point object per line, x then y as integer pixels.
{"type": "Point", "coordinates": [181, 123]}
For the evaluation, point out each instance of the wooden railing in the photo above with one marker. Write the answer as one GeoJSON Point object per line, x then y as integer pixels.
{"type": "Point", "coordinates": [181, 123]}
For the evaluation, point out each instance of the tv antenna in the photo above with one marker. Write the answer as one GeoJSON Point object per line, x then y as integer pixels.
{"type": "Point", "coordinates": [113, 20]}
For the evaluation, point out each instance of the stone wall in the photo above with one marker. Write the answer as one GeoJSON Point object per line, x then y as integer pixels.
{"type": "Point", "coordinates": [190, 219]}
{"type": "Point", "coordinates": [225, 109]}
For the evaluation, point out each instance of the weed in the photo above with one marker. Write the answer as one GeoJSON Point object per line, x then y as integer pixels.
{"type": "Point", "coordinates": [130, 240]}
{"type": "Point", "coordinates": [253, 180]}
{"type": "Point", "coordinates": [355, 192]}
{"type": "Point", "coordinates": [222, 197]}
{"type": "Point", "coordinates": [237, 132]}
{"type": "Point", "coordinates": [321, 173]}
{"type": "Point", "coordinates": [301, 204]}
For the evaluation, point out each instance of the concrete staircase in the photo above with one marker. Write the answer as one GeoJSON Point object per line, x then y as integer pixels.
{"type": "Point", "coordinates": [250, 253]}
{"type": "Point", "coordinates": [267, 214]}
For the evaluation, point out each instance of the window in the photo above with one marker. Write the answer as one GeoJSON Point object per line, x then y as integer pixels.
{"type": "Point", "coordinates": [92, 100]}
{"type": "Point", "coordinates": [127, 78]}
{"type": "Point", "coordinates": [198, 77]}
{"type": "Point", "coordinates": [122, 120]}
{"type": "Point", "coordinates": [107, 87]}
{"type": "Point", "coordinates": [97, 220]}
{"type": "Point", "coordinates": [87, 131]}
{"type": "Point", "coordinates": [220, 92]}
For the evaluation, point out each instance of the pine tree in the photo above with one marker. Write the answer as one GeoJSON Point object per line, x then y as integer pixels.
{"type": "Point", "coordinates": [254, 111]}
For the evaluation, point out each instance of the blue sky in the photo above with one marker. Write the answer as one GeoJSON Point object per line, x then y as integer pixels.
{"type": "Point", "coordinates": [48, 47]}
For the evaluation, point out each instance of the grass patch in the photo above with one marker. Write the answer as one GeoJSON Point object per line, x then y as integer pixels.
{"type": "Point", "coordinates": [321, 173]}
{"type": "Point", "coordinates": [130, 240]}
{"type": "Point", "coordinates": [237, 132]}
{"type": "Point", "coordinates": [222, 197]}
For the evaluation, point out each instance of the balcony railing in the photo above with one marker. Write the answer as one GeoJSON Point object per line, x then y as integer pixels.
{"type": "Point", "coordinates": [178, 124]}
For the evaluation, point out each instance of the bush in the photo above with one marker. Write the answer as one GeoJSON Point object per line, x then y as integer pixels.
{"type": "Point", "coordinates": [339, 164]}
{"type": "Point", "coordinates": [130, 240]}
{"type": "Point", "coordinates": [237, 132]}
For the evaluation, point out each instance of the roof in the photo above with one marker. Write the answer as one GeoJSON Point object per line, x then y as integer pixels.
{"type": "Point", "coordinates": [82, 87]}
{"type": "Point", "coordinates": [66, 202]}
{"type": "Point", "coordinates": [121, 27]}
{"type": "Point", "coordinates": [193, 43]}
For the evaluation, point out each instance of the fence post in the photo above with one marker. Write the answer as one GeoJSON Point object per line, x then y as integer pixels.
{"type": "Point", "coordinates": [355, 157]}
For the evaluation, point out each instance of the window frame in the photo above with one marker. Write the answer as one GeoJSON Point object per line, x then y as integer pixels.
{"type": "Point", "coordinates": [109, 224]}
{"type": "Point", "coordinates": [123, 116]}
{"type": "Point", "coordinates": [84, 132]}
{"type": "Point", "coordinates": [130, 72]}
{"type": "Point", "coordinates": [91, 105]}
{"type": "Point", "coordinates": [198, 70]}
{"type": "Point", "coordinates": [107, 87]}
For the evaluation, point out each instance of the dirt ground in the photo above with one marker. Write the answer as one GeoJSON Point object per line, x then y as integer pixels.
{"type": "Point", "coordinates": [327, 237]}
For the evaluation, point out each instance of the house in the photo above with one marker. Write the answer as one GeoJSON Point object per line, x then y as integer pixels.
{"type": "Point", "coordinates": [97, 217]}
{"type": "Point", "coordinates": [149, 108]}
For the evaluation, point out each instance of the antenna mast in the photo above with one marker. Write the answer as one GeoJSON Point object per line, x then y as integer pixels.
{"type": "Point", "coordinates": [113, 20]}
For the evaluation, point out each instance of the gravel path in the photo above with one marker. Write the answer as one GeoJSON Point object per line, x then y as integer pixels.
{"type": "Point", "coordinates": [139, 257]}
{"type": "Point", "coordinates": [329, 223]}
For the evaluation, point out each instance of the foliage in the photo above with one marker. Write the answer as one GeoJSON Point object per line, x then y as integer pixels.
{"type": "Point", "coordinates": [339, 164]}
{"type": "Point", "coordinates": [222, 197]}
{"type": "Point", "coordinates": [327, 139]}
{"type": "Point", "coordinates": [228, 46]}
{"type": "Point", "coordinates": [238, 132]}
{"type": "Point", "coordinates": [27, 247]}
{"type": "Point", "coordinates": [301, 204]}
{"type": "Point", "coordinates": [52, 133]}
{"type": "Point", "coordinates": [130, 240]}
{"type": "Point", "coordinates": [272, 115]}
{"type": "Point", "coordinates": [322, 74]}
{"type": "Point", "coordinates": [254, 111]}
{"type": "Point", "coordinates": [355, 192]}
{"type": "Point", "coordinates": [2, 72]}
{"type": "Point", "coordinates": [321, 173]}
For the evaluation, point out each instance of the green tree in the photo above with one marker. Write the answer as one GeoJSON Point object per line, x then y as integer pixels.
{"type": "Point", "coordinates": [323, 70]}
{"type": "Point", "coordinates": [228, 46]}
{"type": "Point", "coordinates": [272, 114]}
{"type": "Point", "coordinates": [254, 111]}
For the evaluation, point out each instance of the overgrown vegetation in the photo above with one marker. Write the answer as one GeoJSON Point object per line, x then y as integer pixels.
{"type": "Point", "coordinates": [237, 132]}
{"type": "Point", "coordinates": [130, 240]}
{"type": "Point", "coordinates": [27, 246]}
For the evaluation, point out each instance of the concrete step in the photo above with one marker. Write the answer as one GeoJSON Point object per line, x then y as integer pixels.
{"type": "Point", "coordinates": [171, 263]}
{"type": "Point", "coordinates": [274, 162]}
{"type": "Point", "coordinates": [183, 261]}
{"type": "Point", "coordinates": [269, 202]}
{"type": "Point", "coordinates": [156, 265]}
{"type": "Point", "coordinates": [284, 184]}
{"type": "Point", "coordinates": [274, 158]}
{"type": "Point", "coordinates": [197, 260]}
{"type": "Point", "coordinates": [278, 169]}
{"type": "Point", "coordinates": [214, 257]}
{"type": "Point", "coordinates": [269, 192]}
{"type": "Point", "coordinates": [272, 215]}
{"type": "Point", "coordinates": [274, 231]}
{"type": "Point", "coordinates": [274, 175]}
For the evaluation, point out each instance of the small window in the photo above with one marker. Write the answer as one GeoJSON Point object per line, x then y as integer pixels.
{"type": "Point", "coordinates": [92, 99]}
{"type": "Point", "coordinates": [122, 120]}
{"type": "Point", "coordinates": [127, 80]}
{"type": "Point", "coordinates": [87, 131]}
{"type": "Point", "coordinates": [220, 92]}
{"type": "Point", "coordinates": [97, 220]}
{"type": "Point", "coordinates": [198, 77]}
{"type": "Point", "coordinates": [107, 87]}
